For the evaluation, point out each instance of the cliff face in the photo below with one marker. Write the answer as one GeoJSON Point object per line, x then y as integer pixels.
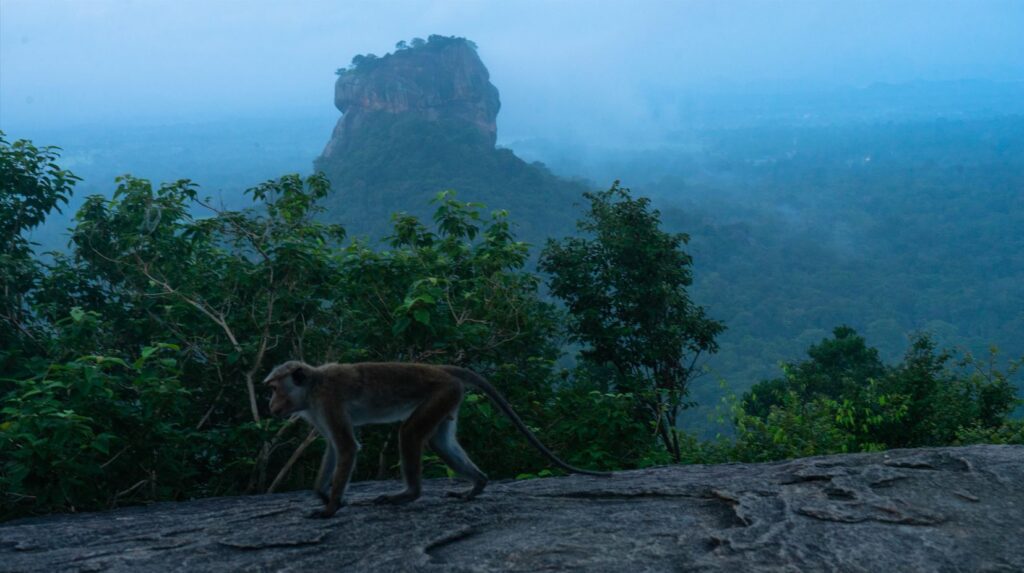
{"type": "Point", "coordinates": [423, 120]}
{"type": "Point", "coordinates": [441, 81]}
{"type": "Point", "coordinates": [941, 509]}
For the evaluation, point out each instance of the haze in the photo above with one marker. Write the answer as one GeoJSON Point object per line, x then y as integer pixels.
{"type": "Point", "coordinates": [835, 162]}
{"type": "Point", "coordinates": [584, 68]}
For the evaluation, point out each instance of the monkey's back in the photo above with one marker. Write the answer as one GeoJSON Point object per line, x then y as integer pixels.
{"type": "Point", "coordinates": [383, 392]}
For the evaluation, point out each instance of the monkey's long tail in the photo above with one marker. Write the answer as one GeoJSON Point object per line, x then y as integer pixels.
{"type": "Point", "coordinates": [478, 381]}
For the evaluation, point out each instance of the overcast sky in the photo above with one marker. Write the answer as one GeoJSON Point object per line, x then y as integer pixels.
{"type": "Point", "coordinates": [108, 61]}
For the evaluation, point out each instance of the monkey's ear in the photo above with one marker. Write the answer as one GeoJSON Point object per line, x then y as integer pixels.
{"type": "Point", "coordinates": [299, 376]}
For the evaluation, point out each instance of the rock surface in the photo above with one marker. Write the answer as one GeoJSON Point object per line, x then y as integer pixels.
{"type": "Point", "coordinates": [943, 509]}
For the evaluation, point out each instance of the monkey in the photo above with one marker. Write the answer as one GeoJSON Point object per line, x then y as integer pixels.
{"type": "Point", "coordinates": [335, 398]}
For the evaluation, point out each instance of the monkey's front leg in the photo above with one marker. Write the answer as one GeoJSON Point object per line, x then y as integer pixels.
{"type": "Point", "coordinates": [345, 448]}
{"type": "Point", "coordinates": [324, 476]}
{"type": "Point", "coordinates": [342, 473]}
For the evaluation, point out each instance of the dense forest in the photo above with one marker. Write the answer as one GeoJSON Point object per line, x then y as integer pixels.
{"type": "Point", "coordinates": [132, 361]}
{"type": "Point", "coordinates": [895, 229]}
{"type": "Point", "coordinates": [401, 160]}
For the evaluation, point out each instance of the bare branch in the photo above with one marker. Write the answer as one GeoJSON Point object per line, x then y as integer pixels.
{"type": "Point", "coordinates": [111, 460]}
{"type": "Point", "coordinates": [257, 363]}
{"type": "Point", "coordinates": [310, 438]}
{"type": "Point", "coordinates": [137, 485]}
{"type": "Point", "coordinates": [206, 416]}
{"type": "Point", "coordinates": [218, 319]}
{"type": "Point", "coordinates": [260, 467]}
{"type": "Point", "coordinates": [253, 239]}
{"type": "Point", "coordinates": [23, 330]}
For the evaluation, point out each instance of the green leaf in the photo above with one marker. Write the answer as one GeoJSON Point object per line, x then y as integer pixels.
{"type": "Point", "coordinates": [400, 325]}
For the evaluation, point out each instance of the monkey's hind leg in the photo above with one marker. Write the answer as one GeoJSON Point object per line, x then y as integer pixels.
{"type": "Point", "coordinates": [448, 448]}
{"type": "Point", "coordinates": [413, 435]}
{"type": "Point", "coordinates": [410, 446]}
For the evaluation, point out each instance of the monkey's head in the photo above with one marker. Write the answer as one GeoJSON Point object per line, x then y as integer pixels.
{"type": "Point", "coordinates": [290, 384]}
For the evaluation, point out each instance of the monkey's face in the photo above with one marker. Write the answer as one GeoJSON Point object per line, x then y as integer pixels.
{"type": "Point", "coordinates": [289, 385]}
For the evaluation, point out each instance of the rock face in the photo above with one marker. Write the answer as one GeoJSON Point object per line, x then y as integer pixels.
{"type": "Point", "coordinates": [443, 80]}
{"type": "Point", "coordinates": [943, 509]}
{"type": "Point", "coordinates": [423, 120]}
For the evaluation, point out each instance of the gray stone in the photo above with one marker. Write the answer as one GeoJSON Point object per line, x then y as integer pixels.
{"type": "Point", "coordinates": [942, 509]}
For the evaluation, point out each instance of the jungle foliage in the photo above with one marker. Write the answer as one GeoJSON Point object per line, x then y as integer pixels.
{"type": "Point", "coordinates": [131, 363]}
{"type": "Point", "coordinates": [844, 399]}
{"type": "Point", "coordinates": [624, 284]}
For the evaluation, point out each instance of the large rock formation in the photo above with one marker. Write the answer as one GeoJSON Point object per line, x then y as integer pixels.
{"type": "Point", "coordinates": [441, 81]}
{"type": "Point", "coordinates": [423, 120]}
{"type": "Point", "coordinates": [942, 509]}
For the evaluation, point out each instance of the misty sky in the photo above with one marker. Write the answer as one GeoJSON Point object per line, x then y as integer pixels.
{"type": "Point", "coordinates": [163, 62]}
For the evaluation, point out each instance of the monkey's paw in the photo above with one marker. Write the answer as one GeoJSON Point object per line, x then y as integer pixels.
{"type": "Point", "coordinates": [325, 513]}
{"type": "Point", "coordinates": [463, 495]}
{"type": "Point", "coordinates": [396, 499]}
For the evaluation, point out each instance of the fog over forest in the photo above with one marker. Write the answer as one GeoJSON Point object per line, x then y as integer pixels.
{"type": "Point", "coordinates": [834, 162]}
{"type": "Point", "coordinates": [586, 69]}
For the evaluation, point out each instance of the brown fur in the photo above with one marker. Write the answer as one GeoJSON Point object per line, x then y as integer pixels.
{"type": "Point", "coordinates": [337, 397]}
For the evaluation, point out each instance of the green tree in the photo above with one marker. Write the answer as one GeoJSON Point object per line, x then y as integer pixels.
{"type": "Point", "coordinates": [229, 286]}
{"type": "Point", "coordinates": [31, 186]}
{"type": "Point", "coordinates": [237, 290]}
{"type": "Point", "coordinates": [454, 292]}
{"type": "Point", "coordinates": [943, 397]}
{"type": "Point", "coordinates": [838, 367]}
{"type": "Point", "coordinates": [223, 295]}
{"type": "Point", "coordinates": [843, 399]}
{"type": "Point", "coordinates": [625, 286]}
{"type": "Point", "coordinates": [99, 431]}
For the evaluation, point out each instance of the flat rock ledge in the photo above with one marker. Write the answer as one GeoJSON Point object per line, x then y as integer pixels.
{"type": "Point", "coordinates": [940, 509]}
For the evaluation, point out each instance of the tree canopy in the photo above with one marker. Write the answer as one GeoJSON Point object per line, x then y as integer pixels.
{"type": "Point", "coordinates": [624, 283]}
{"type": "Point", "coordinates": [131, 363]}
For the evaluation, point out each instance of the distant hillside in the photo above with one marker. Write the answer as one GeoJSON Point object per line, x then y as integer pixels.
{"type": "Point", "coordinates": [422, 120]}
